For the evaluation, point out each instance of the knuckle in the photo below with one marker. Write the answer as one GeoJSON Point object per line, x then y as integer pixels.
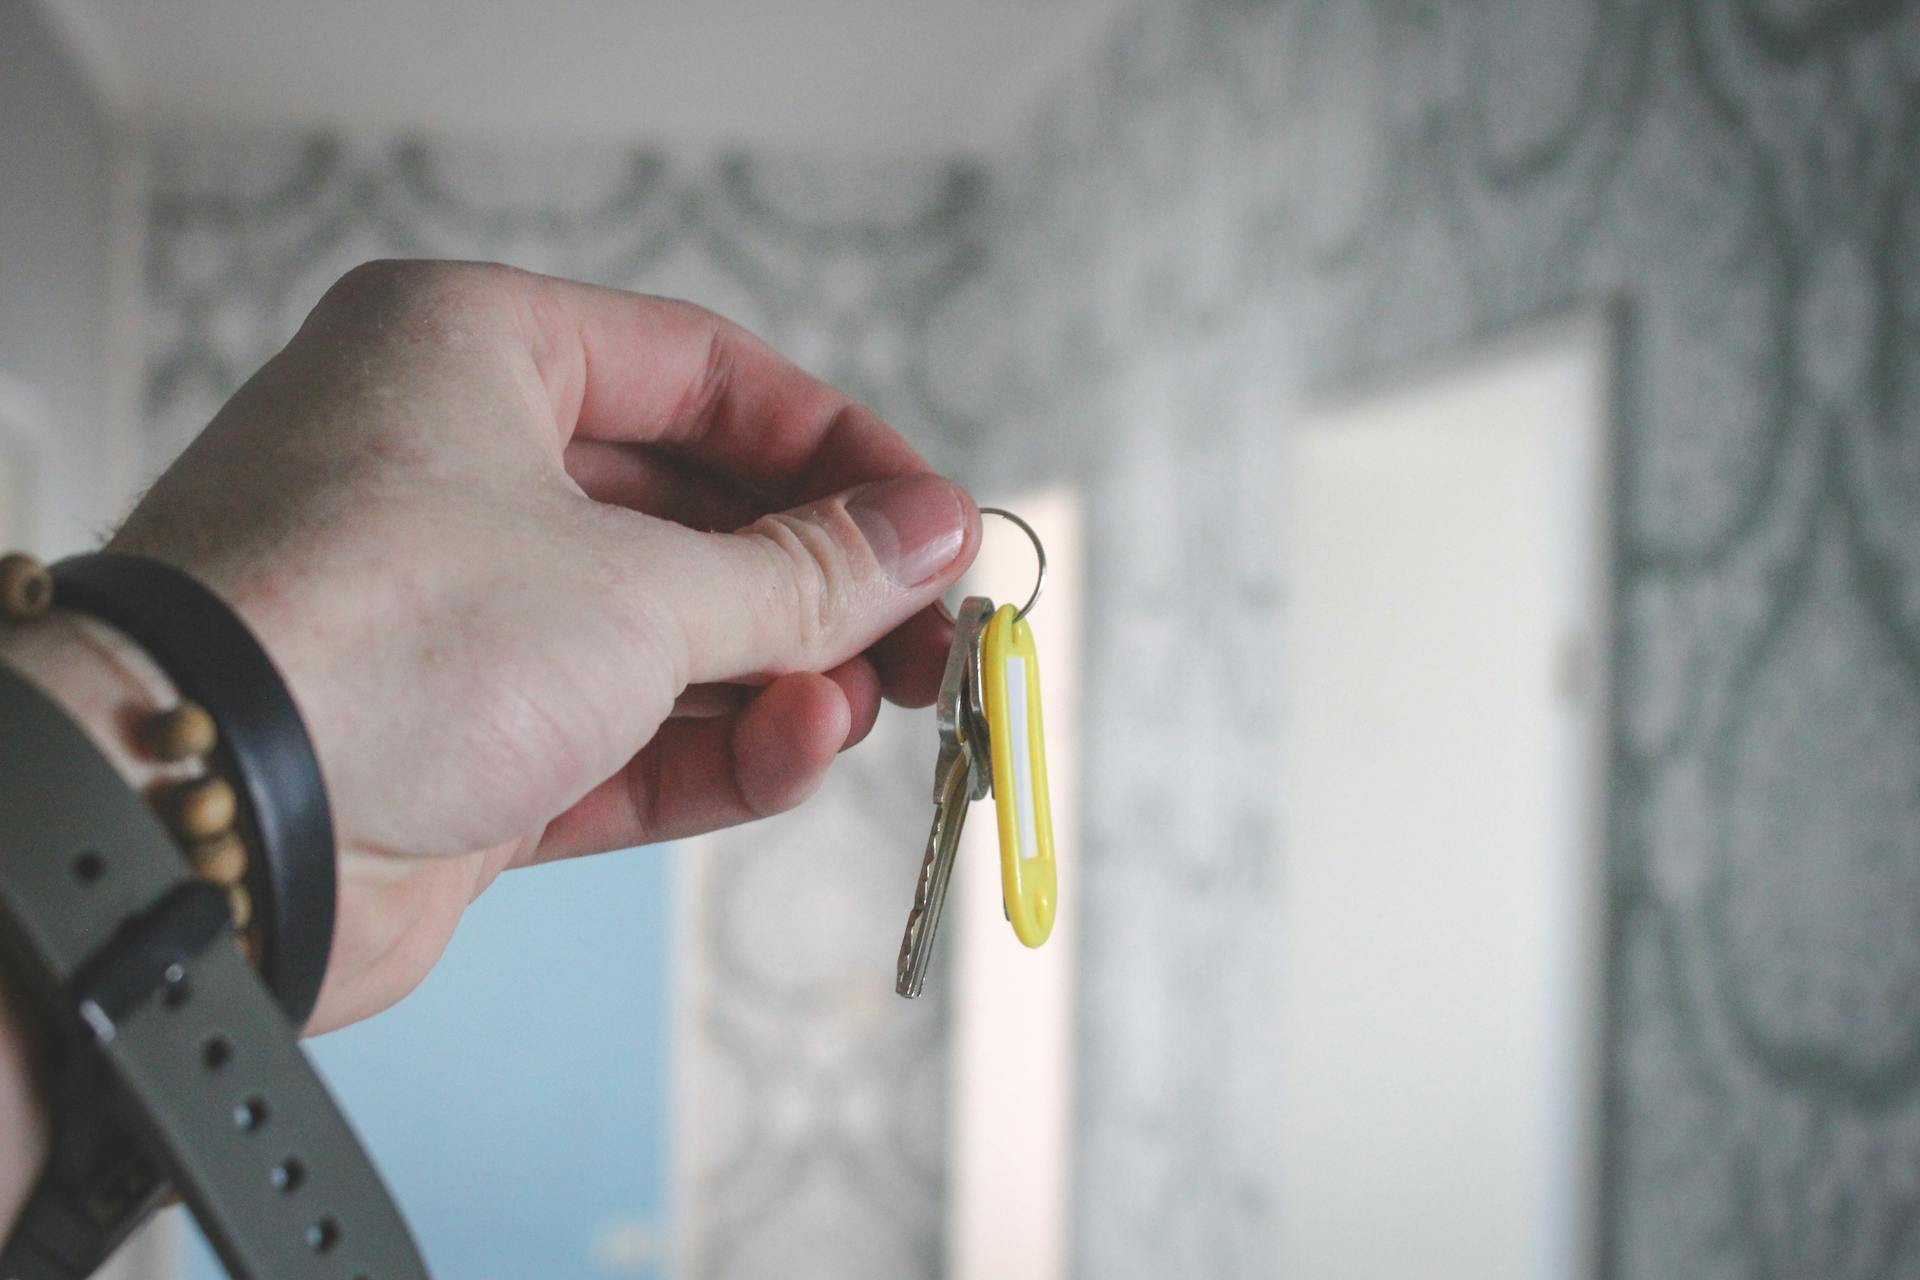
{"type": "Point", "coordinates": [811, 571]}
{"type": "Point", "coordinates": [716, 375]}
{"type": "Point", "coordinates": [723, 329]}
{"type": "Point", "coordinates": [416, 294]}
{"type": "Point", "coordinates": [654, 636]}
{"type": "Point", "coordinates": [645, 622]}
{"type": "Point", "coordinates": [382, 281]}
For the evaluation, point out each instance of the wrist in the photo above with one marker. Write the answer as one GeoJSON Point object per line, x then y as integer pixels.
{"type": "Point", "coordinates": [107, 685]}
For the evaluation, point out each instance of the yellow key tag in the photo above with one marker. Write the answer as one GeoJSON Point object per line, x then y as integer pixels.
{"type": "Point", "coordinates": [1010, 672]}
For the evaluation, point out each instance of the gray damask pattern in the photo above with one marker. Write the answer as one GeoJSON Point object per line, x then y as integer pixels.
{"type": "Point", "coordinates": [813, 1132]}
{"type": "Point", "coordinates": [1243, 202]}
{"type": "Point", "coordinates": [837, 1168]}
{"type": "Point", "coordinates": [844, 266]}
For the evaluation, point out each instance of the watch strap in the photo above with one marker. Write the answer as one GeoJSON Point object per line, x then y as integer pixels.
{"type": "Point", "coordinates": [131, 960]}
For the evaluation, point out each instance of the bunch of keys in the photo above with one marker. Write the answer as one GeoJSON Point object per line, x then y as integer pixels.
{"type": "Point", "coordinates": [991, 739]}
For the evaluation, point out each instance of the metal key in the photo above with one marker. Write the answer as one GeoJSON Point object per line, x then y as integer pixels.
{"type": "Point", "coordinates": [960, 776]}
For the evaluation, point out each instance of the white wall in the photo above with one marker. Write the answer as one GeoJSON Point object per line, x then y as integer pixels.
{"type": "Point", "coordinates": [57, 246]}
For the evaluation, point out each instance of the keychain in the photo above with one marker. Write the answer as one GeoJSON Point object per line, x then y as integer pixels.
{"type": "Point", "coordinates": [991, 737]}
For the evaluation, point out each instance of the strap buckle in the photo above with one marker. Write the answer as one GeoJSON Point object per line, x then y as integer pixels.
{"type": "Point", "coordinates": [100, 1185]}
{"type": "Point", "coordinates": [151, 954]}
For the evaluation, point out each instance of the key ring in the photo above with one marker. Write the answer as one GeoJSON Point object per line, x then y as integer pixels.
{"type": "Point", "coordinates": [1039, 551]}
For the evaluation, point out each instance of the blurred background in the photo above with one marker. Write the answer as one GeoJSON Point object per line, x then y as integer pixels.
{"type": "Point", "coordinates": [1477, 445]}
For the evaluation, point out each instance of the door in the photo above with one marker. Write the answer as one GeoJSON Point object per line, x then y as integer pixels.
{"type": "Point", "coordinates": [1441, 926]}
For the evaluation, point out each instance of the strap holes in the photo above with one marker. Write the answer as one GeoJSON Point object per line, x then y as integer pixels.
{"type": "Point", "coordinates": [89, 867]}
{"type": "Point", "coordinates": [216, 1052]}
{"type": "Point", "coordinates": [250, 1115]}
{"type": "Point", "coordinates": [323, 1235]}
{"type": "Point", "coordinates": [175, 988]}
{"type": "Point", "coordinates": [287, 1176]}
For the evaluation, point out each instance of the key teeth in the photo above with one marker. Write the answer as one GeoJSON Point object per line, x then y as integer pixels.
{"type": "Point", "coordinates": [906, 981]}
{"type": "Point", "coordinates": [916, 921]}
{"type": "Point", "coordinates": [936, 870]}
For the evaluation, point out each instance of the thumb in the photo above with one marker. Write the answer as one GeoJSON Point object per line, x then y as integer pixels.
{"type": "Point", "coordinates": [804, 590]}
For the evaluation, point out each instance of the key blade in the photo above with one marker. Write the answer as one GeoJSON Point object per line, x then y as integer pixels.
{"type": "Point", "coordinates": [973, 707]}
{"type": "Point", "coordinates": [952, 712]}
{"type": "Point", "coordinates": [936, 871]}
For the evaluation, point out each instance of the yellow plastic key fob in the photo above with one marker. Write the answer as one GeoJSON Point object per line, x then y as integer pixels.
{"type": "Point", "coordinates": [1010, 672]}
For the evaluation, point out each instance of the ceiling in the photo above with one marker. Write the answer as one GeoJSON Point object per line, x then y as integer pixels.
{"type": "Point", "coordinates": [835, 75]}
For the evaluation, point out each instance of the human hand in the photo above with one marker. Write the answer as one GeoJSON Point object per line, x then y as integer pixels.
{"type": "Point", "coordinates": [472, 512]}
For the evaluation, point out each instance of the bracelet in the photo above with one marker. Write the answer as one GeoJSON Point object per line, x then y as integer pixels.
{"type": "Point", "coordinates": [202, 810]}
{"type": "Point", "coordinates": [281, 807]}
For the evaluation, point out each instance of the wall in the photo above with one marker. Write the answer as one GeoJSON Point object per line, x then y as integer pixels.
{"type": "Point", "coordinates": [809, 1116]}
{"type": "Point", "coordinates": [1242, 203]}
{"type": "Point", "coordinates": [57, 157]}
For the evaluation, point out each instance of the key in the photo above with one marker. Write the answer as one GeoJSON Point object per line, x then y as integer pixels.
{"type": "Point", "coordinates": [936, 871]}
{"type": "Point", "coordinates": [959, 778]}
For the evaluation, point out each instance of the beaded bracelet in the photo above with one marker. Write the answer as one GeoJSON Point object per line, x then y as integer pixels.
{"type": "Point", "coordinates": [262, 757]}
{"type": "Point", "coordinates": [200, 812]}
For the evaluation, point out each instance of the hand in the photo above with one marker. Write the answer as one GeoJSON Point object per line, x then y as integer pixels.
{"type": "Point", "coordinates": [471, 513]}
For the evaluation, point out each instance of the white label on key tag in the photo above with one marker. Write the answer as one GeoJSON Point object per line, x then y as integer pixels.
{"type": "Point", "coordinates": [1020, 730]}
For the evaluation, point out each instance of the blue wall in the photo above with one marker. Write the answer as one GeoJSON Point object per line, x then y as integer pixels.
{"type": "Point", "coordinates": [518, 1101]}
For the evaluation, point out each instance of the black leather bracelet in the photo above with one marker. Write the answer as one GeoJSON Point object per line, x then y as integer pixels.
{"type": "Point", "coordinates": [173, 1064]}
{"type": "Point", "coordinates": [212, 658]}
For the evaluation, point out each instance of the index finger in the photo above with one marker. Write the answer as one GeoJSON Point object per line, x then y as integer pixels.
{"type": "Point", "coordinates": [632, 368]}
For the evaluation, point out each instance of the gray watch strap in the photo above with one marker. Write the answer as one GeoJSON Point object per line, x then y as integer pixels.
{"type": "Point", "coordinates": [104, 927]}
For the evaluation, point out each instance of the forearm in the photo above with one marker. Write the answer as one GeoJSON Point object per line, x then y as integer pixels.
{"type": "Point", "coordinates": [106, 686]}
{"type": "Point", "coordinates": [23, 1116]}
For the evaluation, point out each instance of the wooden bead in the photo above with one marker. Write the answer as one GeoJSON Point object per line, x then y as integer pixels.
{"type": "Point", "coordinates": [220, 859]}
{"type": "Point", "coordinates": [204, 808]}
{"type": "Point", "coordinates": [182, 733]}
{"type": "Point", "coordinates": [240, 902]}
{"type": "Point", "coordinates": [26, 588]}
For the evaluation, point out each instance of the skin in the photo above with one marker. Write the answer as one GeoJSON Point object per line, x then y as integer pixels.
{"type": "Point", "coordinates": [551, 570]}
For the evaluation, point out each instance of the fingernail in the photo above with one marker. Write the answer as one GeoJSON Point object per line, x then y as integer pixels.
{"type": "Point", "coordinates": [915, 525]}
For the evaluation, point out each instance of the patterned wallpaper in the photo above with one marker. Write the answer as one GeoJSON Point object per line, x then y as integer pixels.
{"type": "Point", "coordinates": [1243, 202]}
{"type": "Point", "coordinates": [811, 1127]}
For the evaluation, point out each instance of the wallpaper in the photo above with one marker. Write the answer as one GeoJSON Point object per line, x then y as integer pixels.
{"type": "Point", "coordinates": [810, 1127]}
{"type": "Point", "coordinates": [1240, 203]}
